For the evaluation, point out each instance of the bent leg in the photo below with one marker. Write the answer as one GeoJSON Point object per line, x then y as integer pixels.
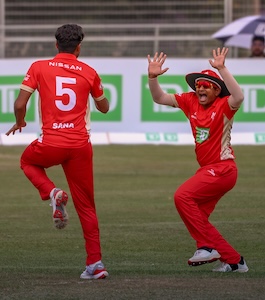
{"type": "Point", "coordinates": [191, 215]}
{"type": "Point", "coordinates": [196, 199]}
{"type": "Point", "coordinates": [34, 160]}
{"type": "Point", "coordinates": [227, 252]}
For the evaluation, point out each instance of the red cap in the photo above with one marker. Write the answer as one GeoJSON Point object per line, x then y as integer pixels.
{"type": "Point", "coordinates": [210, 76]}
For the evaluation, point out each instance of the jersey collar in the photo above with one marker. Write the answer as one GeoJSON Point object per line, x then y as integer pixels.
{"type": "Point", "coordinates": [66, 56]}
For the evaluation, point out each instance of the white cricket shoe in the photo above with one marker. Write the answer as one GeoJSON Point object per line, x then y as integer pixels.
{"type": "Point", "coordinates": [98, 272]}
{"type": "Point", "coordinates": [58, 203]}
{"type": "Point", "coordinates": [241, 267]}
{"type": "Point", "coordinates": [203, 256]}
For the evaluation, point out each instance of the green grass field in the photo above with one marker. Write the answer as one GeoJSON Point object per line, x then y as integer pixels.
{"type": "Point", "coordinates": [144, 243]}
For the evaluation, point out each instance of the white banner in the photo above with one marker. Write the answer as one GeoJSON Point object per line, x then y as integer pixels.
{"type": "Point", "coordinates": [131, 107]}
{"type": "Point", "coordinates": [151, 138]}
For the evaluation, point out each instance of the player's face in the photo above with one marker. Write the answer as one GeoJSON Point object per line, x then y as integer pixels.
{"type": "Point", "coordinates": [206, 92]}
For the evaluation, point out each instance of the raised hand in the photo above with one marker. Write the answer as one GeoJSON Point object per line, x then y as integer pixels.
{"type": "Point", "coordinates": [155, 65]}
{"type": "Point", "coordinates": [218, 61]}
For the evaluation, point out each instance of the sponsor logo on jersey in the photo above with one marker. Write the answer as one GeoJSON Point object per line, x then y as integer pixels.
{"type": "Point", "coordinates": [211, 171]}
{"type": "Point", "coordinates": [194, 116]}
{"type": "Point", "coordinates": [27, 77]}
{"type": "Point", "coordinates": [202, 134]}
{"type": "Point", "coordinates": [62, 125]}
{"type": "Point", "coordinates": [63, 65]}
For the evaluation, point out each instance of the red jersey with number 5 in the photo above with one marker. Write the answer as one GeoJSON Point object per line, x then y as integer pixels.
{"type": "Point", "coordinates": [64, 84]}
{"type": "Point", "coordinates": [211, 127]}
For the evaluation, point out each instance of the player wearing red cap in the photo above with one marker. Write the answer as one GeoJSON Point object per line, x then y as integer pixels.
{"type": "Point", "coordinates": [64, 84]}
{"type": "Point", "coordinates": [210, 109]}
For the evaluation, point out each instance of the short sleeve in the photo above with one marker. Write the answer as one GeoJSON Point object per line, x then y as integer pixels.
{"type": "Point", "coordinates": [97, 89]}
{"type": "Point", "coordinates": [30, 81]}
{"type": "Point", "coordinates": [228, 111]}
{"type": "Point", "coordinates": [184, 102]}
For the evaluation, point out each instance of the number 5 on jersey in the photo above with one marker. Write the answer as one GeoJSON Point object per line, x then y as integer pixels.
{"type": "Point", "coordinates": [60, 91]}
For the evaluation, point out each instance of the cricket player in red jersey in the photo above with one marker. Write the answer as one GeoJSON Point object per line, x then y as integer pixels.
{"type": "Point", "coordinates": [210, 108]}
{"type": "Point", "coordinates": [64, 84]}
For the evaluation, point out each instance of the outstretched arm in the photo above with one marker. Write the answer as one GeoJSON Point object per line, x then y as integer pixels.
{"type": "Point", "coordinates": [154, 70]}
{"type": "Point", "coordinates": [218, 62]}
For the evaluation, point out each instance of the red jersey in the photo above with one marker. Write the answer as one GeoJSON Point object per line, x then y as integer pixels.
{"type": "Point", "coordinates": [64, 84]}
{"type": "Point", "coordinates": [211, 127]}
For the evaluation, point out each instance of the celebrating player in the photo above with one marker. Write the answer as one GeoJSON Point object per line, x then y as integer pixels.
{"type": "Point", "coordinates": [210, 110]}
{"type": "Point", "coordinates": [64, 84]}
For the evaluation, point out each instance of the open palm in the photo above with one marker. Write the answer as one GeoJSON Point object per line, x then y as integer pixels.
{"type": "Point", "coordinates": [155, 65]}
{"type": "Point", "coordinates": [219, 56]}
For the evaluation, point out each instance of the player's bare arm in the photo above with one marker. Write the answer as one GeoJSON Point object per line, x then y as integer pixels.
{"type": "Point", "coordinates": [102, 105]}
{"type": "Point", "coordinates": [218, 62]}
{"type": "Point", "coordinates": [155, 69]}
{"type": "Point", "coordinates": [20, 108]}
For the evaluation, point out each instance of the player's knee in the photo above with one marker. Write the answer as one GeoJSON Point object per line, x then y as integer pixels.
{"type": "Point", "coordinates": [180, 198]}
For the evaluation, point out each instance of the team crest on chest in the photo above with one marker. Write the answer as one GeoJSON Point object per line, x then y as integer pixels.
{"type": "Point", "coordinates": [213, 115]}
{"type": "Point", "coordinates": [202, 134]}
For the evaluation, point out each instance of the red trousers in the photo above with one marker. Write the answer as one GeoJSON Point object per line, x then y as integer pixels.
{"type": "Point", "coordinates": [195, 200]}
{"type": "Point", "coordinates": [78, 168]}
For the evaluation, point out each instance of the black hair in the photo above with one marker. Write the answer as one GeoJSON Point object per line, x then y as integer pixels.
{"type": "Point", "coordinates": [68, 37]}
{"type": "Point", "coordinates": [258, 38]}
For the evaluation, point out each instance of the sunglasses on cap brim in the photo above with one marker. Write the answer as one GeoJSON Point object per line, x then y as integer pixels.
{"type": "Point", "coordinates": [205, 84]}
